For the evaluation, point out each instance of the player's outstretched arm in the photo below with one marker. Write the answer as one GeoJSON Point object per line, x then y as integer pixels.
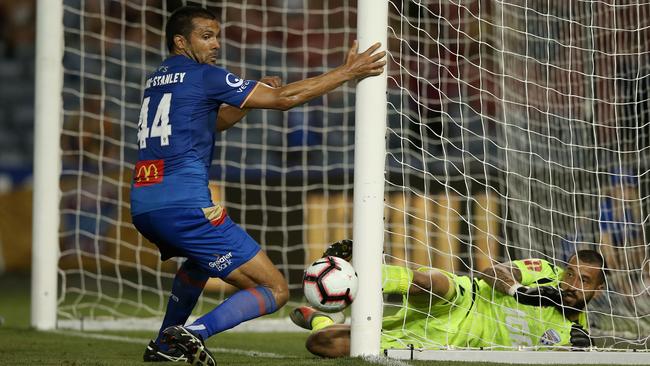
{"type": "Point", "coordinates": [357, 66]}
{"type": "Point", "coordinates": [501, 276]}
{"type": "Point", "coordinates": [228, 115]}
{"type": "Point", "coordinates": [506, 278]}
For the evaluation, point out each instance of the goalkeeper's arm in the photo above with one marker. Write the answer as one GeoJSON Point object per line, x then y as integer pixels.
{"type": "Point", "coordinates": [506, 278]}
{"type": "Point", "coordinates": [502, 277]}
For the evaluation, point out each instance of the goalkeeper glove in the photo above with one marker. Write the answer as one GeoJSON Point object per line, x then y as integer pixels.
{"type": "Point", "coordinates": [537, 296]}
{"type": "Point", "coordinates": [579, 337]}
{"type": "Point", "coordinates": [341, 249]}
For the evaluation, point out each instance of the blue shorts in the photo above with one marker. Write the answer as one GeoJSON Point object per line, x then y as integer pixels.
{"type": "Point", "coordinates": [205, 236]}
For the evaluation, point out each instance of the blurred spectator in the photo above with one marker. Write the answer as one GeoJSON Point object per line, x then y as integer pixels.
{"type": "Point", "coordinates": [621, 227]}
{"type": "Point", "coordinates": [17, 31]}
{"type": "Point", "coordinates": [17, 44]}
{"type": "Point", "coordinates": [90, 138]}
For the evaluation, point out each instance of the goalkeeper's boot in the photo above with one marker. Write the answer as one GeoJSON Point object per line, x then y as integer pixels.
{"type": "Point", "coordinates": [303, 315]}
{"type": "Point", "coordinates": [341, 249]}
{"type": "Point", "coordinates": [153, 353]}
{"type": "Point", "coordinates": [190, 344]}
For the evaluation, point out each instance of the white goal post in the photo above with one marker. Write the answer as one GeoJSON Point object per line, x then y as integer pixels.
{"type": "Point", "coordinates": [47, 163]}
{"type": "Point", "coordinates": [369, 162]}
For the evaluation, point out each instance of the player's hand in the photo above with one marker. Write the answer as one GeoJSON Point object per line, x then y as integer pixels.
{"type": "Point", "coordinates": [579, 337]}
{"type": "Point", "coordinates": [272, 81]}
{"type": "Point", "coordinates": [539, 296]}
{"type": "Point", "coordinates": [366, 63]}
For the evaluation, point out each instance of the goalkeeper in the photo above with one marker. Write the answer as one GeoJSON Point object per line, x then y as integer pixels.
{"type": "Point", "coordinates": [529, 303]}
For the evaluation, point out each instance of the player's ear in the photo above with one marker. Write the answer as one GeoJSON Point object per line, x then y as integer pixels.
{"type": "Point", "coordinates": [180, 42]}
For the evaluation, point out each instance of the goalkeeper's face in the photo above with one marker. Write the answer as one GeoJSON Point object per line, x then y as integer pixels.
{"type": "Point", "coordinates": [580, 283]}
{"type": "Point", "coordinates": [203, 43]}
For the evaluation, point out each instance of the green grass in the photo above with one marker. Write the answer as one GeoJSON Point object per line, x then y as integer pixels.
{"type": "Point", "coordinates": [20, 345]}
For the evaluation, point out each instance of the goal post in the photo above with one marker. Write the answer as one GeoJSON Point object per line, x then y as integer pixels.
{"type": "Point", "coordinates": [47, 163]}
{"type": "Point", "coordinates": [369, 164]}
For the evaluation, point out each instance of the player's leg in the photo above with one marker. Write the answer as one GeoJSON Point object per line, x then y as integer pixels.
{"type": "Point", "coordinates": [260, 271]}
{"type": "Point", "coordinates": [331, 341]}
{"type": "Point", "coordinates": [158, 227]}
{"type": "Point", "coordinates": [188, 284]}
{"type": "Point", "coordinates": [242, 263]}
{"type": "Point", "coordinates": [263, 291]}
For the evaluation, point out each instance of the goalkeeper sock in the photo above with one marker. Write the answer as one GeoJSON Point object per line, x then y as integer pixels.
{"type": "Point", "coordinates": [186, 289]}
{"type": "Point", "coordinates": [397, 279]}
{"type": "Point", "coordinates": [240, 307]}
{"type": "Point", "coordinates": [320, 321]}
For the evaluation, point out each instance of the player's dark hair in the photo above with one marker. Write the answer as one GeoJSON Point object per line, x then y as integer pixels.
{"type": "Point", "coordinates": [593, 258]}
{"type": "Point", "coordinates": [180, 22]}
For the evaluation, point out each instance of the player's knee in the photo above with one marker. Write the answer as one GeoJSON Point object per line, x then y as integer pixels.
{"type": "Point", "coordinates": [280, 293]}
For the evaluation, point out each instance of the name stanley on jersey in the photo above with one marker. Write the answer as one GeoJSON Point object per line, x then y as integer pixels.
{"type": "Point", "coordinates": [173, 78]}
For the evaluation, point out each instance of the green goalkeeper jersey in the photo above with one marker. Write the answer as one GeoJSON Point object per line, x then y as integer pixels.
{"type": "Point", "coordinates": [479, 316]}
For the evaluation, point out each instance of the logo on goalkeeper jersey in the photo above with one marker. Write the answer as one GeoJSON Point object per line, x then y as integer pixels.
{"type": "Point", "coordinates": [148, 172]}
{"type": "Point", "coordinates": [550, 337]}
{"type": "Point", "coordinates": [533, 264]}
{"type": "Point", "coordinates": [222, 262]}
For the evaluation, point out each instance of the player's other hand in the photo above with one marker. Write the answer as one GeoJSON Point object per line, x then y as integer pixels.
{"type": "Point", "coordinates": [364, 64]}
{"type": "Point", "coordinates": [539, 296]}
{"type": "Point", "coordinates": [579, 337]}
{"type": "Point", "coordinates": [272, 81]}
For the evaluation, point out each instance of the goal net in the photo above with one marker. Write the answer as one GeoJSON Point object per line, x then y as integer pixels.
{"type": "Point", "coordinates": [516, 129]}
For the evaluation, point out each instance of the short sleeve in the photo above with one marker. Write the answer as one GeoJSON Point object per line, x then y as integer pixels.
{"type": "Point", "coordinates": [225, 87]}
{"type": "Point", "coordinates": [537, 272]}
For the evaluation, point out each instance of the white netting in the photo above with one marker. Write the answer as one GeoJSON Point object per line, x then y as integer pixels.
{"type": "Point", "coordinates": [519, 129]}
{"type": "Point", "coordinates": [285, 177]}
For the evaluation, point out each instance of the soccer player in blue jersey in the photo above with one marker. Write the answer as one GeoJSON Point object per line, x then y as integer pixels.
{"type": "Point", "coordinates": [185, 101]}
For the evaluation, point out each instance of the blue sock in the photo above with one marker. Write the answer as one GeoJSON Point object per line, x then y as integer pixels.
{"type": "Point", "coordinates": [187, 287]}
{"type": "Point", "coordinates": [240, 307]}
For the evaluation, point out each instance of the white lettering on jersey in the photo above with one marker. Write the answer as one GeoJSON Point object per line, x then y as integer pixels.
{"type": "Point", "coordinates": [236, 83]}
{"type": "Point", "coordinates": [243, 87]}
{"type": "Point", "coordinates": [177, 77]}
{"type": "Point", "coordinates": [517, 327]}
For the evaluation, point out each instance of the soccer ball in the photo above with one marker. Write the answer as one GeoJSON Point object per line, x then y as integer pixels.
{"type": "Point", "coordinates": [330, 284]}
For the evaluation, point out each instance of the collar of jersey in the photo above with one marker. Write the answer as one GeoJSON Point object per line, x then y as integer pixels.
{"type": "Point", "coordinates": [177, 60]}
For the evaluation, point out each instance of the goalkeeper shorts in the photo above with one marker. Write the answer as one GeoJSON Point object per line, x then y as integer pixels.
{"type": "Point", "coordinates": [207, 236]}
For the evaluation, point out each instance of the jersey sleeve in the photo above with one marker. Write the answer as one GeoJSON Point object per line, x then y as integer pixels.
{"type": "Point", "coordinates": [537, 272]}
{"type": "Point", "coordinates": [225, 87]}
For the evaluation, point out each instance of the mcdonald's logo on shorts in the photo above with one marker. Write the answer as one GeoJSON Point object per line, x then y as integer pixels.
{"type": "Point", "coordinates": [148, 172]}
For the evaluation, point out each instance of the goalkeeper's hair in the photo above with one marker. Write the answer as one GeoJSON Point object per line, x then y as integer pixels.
{"type": "Point", "coordinates": [594, 258]}
{"type": "Point", "coordinates": [180, 22]}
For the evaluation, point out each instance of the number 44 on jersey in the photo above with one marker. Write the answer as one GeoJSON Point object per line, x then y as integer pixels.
{"type": "Point", "coordinates": [160, 126]}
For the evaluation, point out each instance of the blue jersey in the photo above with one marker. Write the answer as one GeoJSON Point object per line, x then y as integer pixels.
{"type": "Point", "coordinates": [176, 133]}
